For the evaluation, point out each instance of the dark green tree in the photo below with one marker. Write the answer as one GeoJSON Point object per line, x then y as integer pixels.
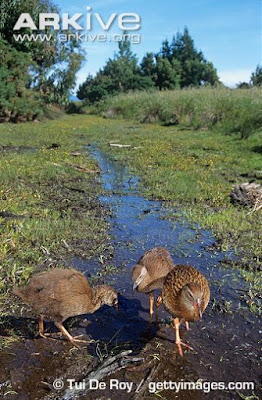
{"type": "Point", "coordinates": [178, 64]}
{"type": "Point", "coordinates": [195, 70]}
{"type": "Point", "coordinates": [166, 75]}
{"type": "Point", "coordinates": [120, 74]}
{"type": "Point", "coordinates": [256, 77]}
{"type": "Point", "coordinates": [183, 47]}
{"type": "Point", "coordinates": [166, 50]}
{"type": "Point", "coordinates": [17, 102]}
{"type": "Point", "coordinates": [148, 65]}
{"type": "Point", "coordinates": [54, 64]}
{"type": "Point", "coordinates": [243, 85]}
{"type": "Point", "coordinates": [124, 50]}
{"type": "Point", "coordinates": [95, 89]}
{"type": "Point", "coordinates": [209, 74]}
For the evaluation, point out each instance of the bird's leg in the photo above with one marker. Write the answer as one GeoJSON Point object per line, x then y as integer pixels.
{"type": "Point", "coordinates": [41, 324]}
{"type": "Point", "coordinates": [41, 327]}
{"type": "Point", "coordinates": [151, 303]}
{"type": "Point", "coordinates": [47, 335]}
{"type": "Point", "coordinates": [187, 325]}
{"type": "Point", "coordinates": [71, 339]}
{"type": "Point", "coordinates": [179, 343]}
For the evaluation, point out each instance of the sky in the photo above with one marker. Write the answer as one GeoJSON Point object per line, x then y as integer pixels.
{"type": "Point", "coordinates": [229, 32]}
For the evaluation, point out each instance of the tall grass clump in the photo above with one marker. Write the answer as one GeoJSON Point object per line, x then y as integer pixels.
{"type": "Point", "coordinates": [230, 110]}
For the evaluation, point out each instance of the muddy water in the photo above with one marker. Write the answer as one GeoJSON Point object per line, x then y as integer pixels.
{"type": "Point", "coordinates": [226, 341]}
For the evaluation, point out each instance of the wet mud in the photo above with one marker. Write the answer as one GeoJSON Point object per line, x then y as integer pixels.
{"type": "Point", "coordinates": [227, 342]}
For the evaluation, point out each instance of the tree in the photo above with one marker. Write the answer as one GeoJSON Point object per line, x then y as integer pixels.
{"type": "Point", "coordinates": [183, 47]}
{"type": "Point", "coordinates": [166, 50]}
{"type": "Point", "coordinates": [148, 65]}
{"type": "Point", "coordinates": [243, 85]}
{"type": "Point", "coordinates": [166, 76]}
{"type": "Point", "coordinates": [54, 63]}
{"type": "Point", "coordinates": [209, 73]}
{"type": "Point", "coordinates": [195, 70]}
{"type": "Point", "coordinates": [17, 101]}
{"type": "Point", "coordinates": [55, 82]}
{"type": "Point", "coordinates": [95, 89]}
{"type": "Point", "coordinates": [256, 77]}
{"type": "Point", "coordinates": [124, 51]}
{"type": "Point", "coordinates": [178, 64]}
{"type": "Point", "coordinates": [120, 74]}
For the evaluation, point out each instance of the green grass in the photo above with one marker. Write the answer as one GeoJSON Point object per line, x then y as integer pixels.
{"type": "Point", "coordinates": [53, 197]}
{"type": "Point", "coordinates": [231, 111]}
{"type": "Point", "coordinates": [57, 202]}
{"type": "Point", "coordinates": [194, 170]}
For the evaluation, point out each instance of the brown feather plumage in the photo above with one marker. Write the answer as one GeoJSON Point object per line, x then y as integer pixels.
{"type": "Point", "coordinates": [180, 276]}
{"type": "Point", "coordinates": [185, 295]}
{"type": "Point", "coordinates": [149, 272]}
{"type": "Point", "coordinates": [62, 293]}
{"type": "Point", "coordinates": [158, 263]}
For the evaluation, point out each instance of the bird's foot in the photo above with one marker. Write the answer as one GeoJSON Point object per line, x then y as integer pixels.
{"type": "Point", "coordinates": [41, 334]}
{"type": "Point", "coordinates": [69, 337]}
{"type": "Point", "coordinates": [48, 335]}
{"type": "Point", "coordinates": [74, 340]}
{"type": "Point", "coordinates": [53, 333]}
{"type": "Point", "coordinates": [187, 325]}
{"type": "Point", "coordinates": [45, 335]}
{"type": "Point", "coordinates": [179, 344]}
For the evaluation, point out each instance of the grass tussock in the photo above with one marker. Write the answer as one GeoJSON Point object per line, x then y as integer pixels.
{"type": "Point", "coordinates": [231, 111]}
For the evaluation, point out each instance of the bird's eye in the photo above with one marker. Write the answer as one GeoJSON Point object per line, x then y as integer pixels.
{"type": "Point", "coordinates": [190, 296]}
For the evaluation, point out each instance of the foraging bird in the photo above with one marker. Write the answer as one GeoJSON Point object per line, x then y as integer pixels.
{"type": "Point", "coordinates": [62, 293]}
{"type": "Point", "coordinates": [148, 273]}
{"type": "Point", "coordinates": [185, 295]}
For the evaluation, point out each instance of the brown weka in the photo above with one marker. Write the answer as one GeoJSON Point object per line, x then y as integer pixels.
{"type": "Point", "coordinates": [62, 293]}
{"type": "Point", "coordinates": [148, 273]}
{"type": "Point", "coordinates": [185, 295]}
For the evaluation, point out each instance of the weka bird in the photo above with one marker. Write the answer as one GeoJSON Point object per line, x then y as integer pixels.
{"type": "Point", "coordinates": [62, 293]}
{"type": "Point", "coordinates": [148, 273]}
{"type": "Point", "coordinates": [185, 295]}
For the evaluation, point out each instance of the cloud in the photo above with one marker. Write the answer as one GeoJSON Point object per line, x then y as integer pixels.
{"type": "Point", "coordinates": [233, 76]}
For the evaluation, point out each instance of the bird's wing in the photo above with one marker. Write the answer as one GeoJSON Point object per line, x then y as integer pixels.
{"type": "Point", "coordinates": [46, 291]}
{"type": "Point", "coordinates": [73, 284]}
{"type": "Point", "coordinates": [157, 261]}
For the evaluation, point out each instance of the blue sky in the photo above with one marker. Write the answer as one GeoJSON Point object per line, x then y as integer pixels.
{"type": "Point", "coordinates": [229, 32]}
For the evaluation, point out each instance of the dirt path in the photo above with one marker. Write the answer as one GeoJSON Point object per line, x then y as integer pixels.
{"type": "Point", "coordinates": [226, 342]}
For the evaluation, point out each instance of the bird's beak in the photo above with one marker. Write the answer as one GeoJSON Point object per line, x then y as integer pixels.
{"type": "Point", "coordinates": [140, 278]}
{"type": "Point", "coordinates": [199, 308]}
{"type": "Point", "coordinates": [159, 301]}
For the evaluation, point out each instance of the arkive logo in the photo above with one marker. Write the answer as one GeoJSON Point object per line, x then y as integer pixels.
{"type": "Point", "coordinates": [125, 21]}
